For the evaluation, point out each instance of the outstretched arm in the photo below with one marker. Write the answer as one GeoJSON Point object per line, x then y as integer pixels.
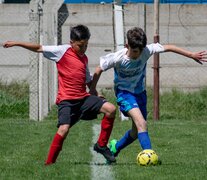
{"type": "Point", "coordinates": [94, 82]}
{"type": "Point", "coordinates": [30, 46]}
{"type": "Point", "coordinates": [199, 57]}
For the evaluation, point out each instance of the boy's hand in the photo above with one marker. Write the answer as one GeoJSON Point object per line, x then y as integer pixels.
{"type": "Point", "coordinates": [200, 57]}
{"type": "Point", "coordinates": [101, 96]}
{"type": "Point", "coordinates": [93, 92]}
{"type": "Point", "coordinates": [8, 44]}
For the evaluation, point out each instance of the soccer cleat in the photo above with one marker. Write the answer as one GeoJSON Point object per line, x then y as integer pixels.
{"type": "Point", "coordinates": [105, 151]}
{"type": "Point", "coordinates": [113, 149]}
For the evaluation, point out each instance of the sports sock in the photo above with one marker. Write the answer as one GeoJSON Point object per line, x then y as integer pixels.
{"type": "Point", "coordinates": [124, 141]}
{"type": "Point", "coordinates": [106, 128]}
{"type": "Point", "coordinates": [144, 140]}
{"type": "Point", "coordinates": [55, 148]}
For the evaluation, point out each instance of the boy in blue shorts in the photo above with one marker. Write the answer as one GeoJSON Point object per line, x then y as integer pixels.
{"type": "Point", "coordinates": [129, 83]}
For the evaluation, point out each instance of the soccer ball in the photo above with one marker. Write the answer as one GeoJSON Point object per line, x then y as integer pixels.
{"type": "Point", "coordinates": [147, 157]}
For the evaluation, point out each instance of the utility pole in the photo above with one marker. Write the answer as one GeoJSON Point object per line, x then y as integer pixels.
{"type": "Point", "coordinates": [156, 66]}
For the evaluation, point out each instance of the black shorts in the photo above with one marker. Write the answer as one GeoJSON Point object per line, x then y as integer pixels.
{"type": "Point", "coordinates": [71, 111]}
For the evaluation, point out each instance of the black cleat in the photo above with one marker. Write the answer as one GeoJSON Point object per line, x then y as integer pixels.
{"type": "Point", "coordinates": [105, 151]}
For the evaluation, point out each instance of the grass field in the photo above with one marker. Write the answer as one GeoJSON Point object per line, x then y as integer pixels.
{"type": "Point", "coordinates": [179, 138]}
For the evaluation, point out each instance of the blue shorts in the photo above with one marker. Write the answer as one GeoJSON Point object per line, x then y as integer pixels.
{"type": "Point", "coordinates": [128, 101]}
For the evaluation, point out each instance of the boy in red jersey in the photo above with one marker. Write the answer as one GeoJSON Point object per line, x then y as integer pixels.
{"type": "Point", "coordinates": [74, 102]}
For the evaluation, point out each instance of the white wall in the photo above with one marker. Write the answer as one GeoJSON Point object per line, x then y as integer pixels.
{"type": "Point", "coordinates": [182, 25]}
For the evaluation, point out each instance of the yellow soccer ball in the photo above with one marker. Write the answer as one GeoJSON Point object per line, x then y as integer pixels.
{"type": "Point", "coordinates": [147, 157]}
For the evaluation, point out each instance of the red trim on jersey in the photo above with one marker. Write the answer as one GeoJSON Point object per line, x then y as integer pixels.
{"type": "Point", "coordinates": [71, 76]}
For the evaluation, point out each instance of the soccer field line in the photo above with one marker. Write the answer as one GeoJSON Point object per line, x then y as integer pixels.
{"type": "Point", "coordinates": [99, 169]}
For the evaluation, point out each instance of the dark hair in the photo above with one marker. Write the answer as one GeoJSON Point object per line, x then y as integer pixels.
{"type": "Point", "coordinates": [136, 38]}
{"type": "Point", "coordinates": [79, 32]}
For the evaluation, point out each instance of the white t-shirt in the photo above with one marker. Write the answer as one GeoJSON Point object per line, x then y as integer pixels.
{"type": "Point", "coordinates": [129, 74]}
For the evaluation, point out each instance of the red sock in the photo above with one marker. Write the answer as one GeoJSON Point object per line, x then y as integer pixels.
{"type": "Point", "coordinates": [106, 128]}
{"type": "Point", "coordinates": [55, 148]}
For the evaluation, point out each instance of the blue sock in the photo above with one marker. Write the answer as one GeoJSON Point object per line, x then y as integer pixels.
{"type": "Point", "coordinates": [144, 140]}
{"type": "Point", "coordinates": [124, 141]}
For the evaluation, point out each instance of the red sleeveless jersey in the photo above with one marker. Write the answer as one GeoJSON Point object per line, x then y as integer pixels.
{"type": "Point", "coordinates": [73, 73]}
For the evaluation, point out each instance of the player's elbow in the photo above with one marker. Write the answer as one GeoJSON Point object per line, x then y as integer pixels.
{"type": "Point", "coordinates": [98, 69]}
{"type": "Point", "coordinates": [39, 49]}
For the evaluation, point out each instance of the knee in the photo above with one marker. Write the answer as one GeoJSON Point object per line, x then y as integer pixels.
{"type": "Point", "coordinates": [111, 111]}
{"type": "Point", "coordinates": [63, 130]}
{"type": "Point", "coordinates": [142, 126]}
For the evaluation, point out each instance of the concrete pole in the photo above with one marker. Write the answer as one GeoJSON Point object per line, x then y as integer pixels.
{"type": "Point", "coordinates": [34, 27]}
{"type": "Point", "coordinates": [49, 71]}
{"type": "Point", "coordinates": [119, 32]}
{"type": "Point", "coordinates": [43, 80]}
{"type": "Point", "coordinates": [119, 26]}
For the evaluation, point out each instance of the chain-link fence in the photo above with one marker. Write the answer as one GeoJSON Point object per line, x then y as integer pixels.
{"type": "Point", "coordinates": [13, 26]}
{"type": "Point", "coordinates": [49, 22]}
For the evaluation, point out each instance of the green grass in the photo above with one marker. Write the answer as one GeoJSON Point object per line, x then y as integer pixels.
{"type": "Point", "coordinates": [184, 105]}
{"type": "Point", "coordinates": [14, 100]}
{"type": "Point", "coordinates": [179, 138]}
{"type": "Point", "coordinates": [180, 145]}
{"type": "Point", "coordinates": [24, 145]}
